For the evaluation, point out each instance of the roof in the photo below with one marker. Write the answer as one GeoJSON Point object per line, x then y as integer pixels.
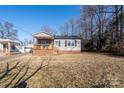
{"type": "Point", "coordinates": [49, 36]}
{"type": "Point", "coordinates": [8, 40]}
{"type": "Point", "coordinates": [67, 37]}
{"type": "Point", "coordinates": [42, 35]}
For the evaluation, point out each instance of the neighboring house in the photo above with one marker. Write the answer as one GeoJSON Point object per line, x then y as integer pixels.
{"type": "Point", "coordinates": [49, 44]}
{"type": "Point", "coordinates": [8, 46]}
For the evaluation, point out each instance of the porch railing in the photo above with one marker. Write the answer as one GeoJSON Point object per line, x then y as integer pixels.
{"type": "Point", "coordinates": [43, 46]}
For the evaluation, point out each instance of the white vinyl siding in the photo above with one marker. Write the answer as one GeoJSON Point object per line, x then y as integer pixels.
{"type": "Point", "coordinates": [1, 47]}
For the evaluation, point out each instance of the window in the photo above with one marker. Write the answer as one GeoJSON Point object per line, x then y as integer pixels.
{"type": "Point", "coordinates": [40, 41]}
{"type": "Point", "coordinates": [43, 42]}
{"type": "Point", "coordinates": [69, 43]}
{"type": "Point", "coordinates": [73, 43]}
{"type": "Point", "coordinates": [58, 43]}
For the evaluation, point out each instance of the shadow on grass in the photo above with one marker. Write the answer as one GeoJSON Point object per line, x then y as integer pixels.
{"type": "Point", "coordinates": [21, 75]}
{"type": "Point", "coordinates": [115, 54]}
{"type": "Point", "coordinates": [108, 53]}
{"type": "Point", "coordinates": [8, 70]}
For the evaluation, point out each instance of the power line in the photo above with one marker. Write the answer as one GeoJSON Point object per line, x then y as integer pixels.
{"type": "Point", "coordinates": [17, 27]}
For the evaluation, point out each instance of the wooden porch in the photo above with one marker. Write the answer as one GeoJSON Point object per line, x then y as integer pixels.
{"type": "Point", "coordinates": [44, 44]}
{"type": "Point", "coordinates": [43, 50]}
{"type": "Point", "coordinates": [43, 47]}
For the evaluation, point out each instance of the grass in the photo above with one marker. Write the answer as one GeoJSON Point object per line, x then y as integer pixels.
{"type": "Point", "coordinates": [67, 70]}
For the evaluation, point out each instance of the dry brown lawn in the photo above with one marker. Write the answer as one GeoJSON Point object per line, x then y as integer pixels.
{"type": "Point", "coordinates": [66, 70]}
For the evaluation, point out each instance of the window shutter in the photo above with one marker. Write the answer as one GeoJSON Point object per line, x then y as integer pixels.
{"type": "Point", "coordinates": [65, 43]}
{"type": "Point", "coordinates": [75, 42]}
{"type": "Point", "coordinates": [59, 43]}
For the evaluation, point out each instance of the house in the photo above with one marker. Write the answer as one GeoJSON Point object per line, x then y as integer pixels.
{"type": "Point", "coordinates": [8, 46]}
{"type": "Point", "coordinates": [48, 44]}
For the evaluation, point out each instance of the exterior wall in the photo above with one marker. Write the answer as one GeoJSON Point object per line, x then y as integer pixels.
{"type": "Point", "coordinates": [67, 48]}
{"type": "Point", "coordinates": [69, 52]}
{"type": "Point", "coordinates": [1, 47]}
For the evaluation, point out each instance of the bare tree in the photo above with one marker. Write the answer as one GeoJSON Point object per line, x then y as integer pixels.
{"type": "Point", "coordinates": [2, 31]}
{"type": "Point", "coordinates": [97, 25]}
{"type": "Point", "coordinates": [72, 26]}
{"type": "Point", "coordinates": [8, 28]}
{"type": "Point", "coordinates": [47, 29]}
{"type": "Point", "coordinates": [65, 29]}
{"type": "Point", "coordinates": [95, 20]}
{"type": "Point", "coordinates": [87, 20]}
{"type": "Point", "coordinates": [7, 31]}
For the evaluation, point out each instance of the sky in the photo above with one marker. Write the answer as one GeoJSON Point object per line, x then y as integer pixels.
{"type": "Point", "coordinates": [29, 19]}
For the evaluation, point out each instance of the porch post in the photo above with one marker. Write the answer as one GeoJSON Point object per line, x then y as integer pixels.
{"type": "Point", "coordinates": [9, 47]}
{"type": "Point", "coordinates": [53, 43]}
{"type": "Point", "coordinates": [34, 40]}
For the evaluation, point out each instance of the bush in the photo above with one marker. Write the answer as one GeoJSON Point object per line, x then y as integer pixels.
{"type": "Point", "coordinates": [89, 45]}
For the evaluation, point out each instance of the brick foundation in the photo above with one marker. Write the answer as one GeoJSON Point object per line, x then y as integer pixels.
{"type": "Point", "coordinates": [69, 52]}
{"type": "Point", "coordinates": [44, 52]}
